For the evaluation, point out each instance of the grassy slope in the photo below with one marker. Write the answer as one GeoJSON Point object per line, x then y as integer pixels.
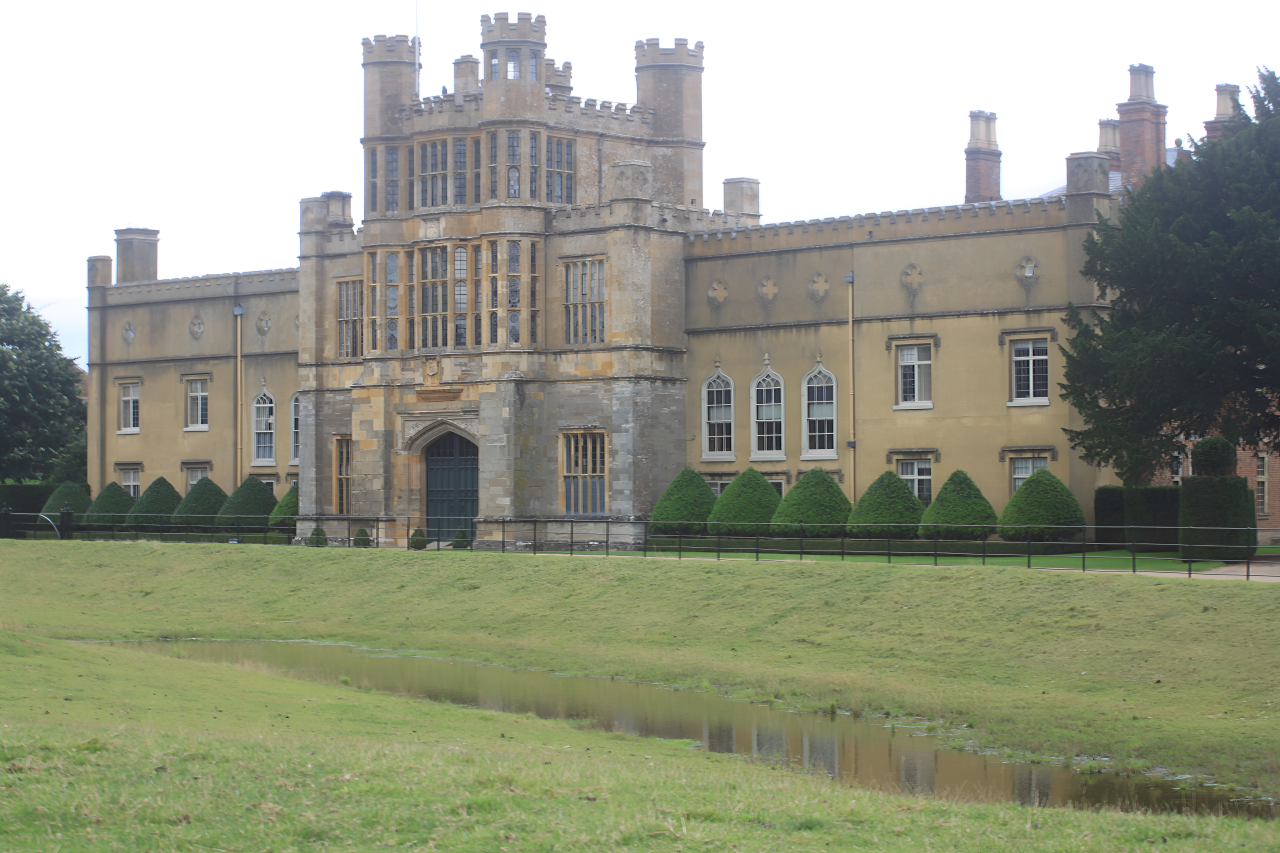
{"type": "Point", "coordinates": [1143, 669]}
{"type": "Point", "coordinates": [111, 749]}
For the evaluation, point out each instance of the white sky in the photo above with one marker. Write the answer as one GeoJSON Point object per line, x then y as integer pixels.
{"type": "Point", "coordinates": [210, 121]}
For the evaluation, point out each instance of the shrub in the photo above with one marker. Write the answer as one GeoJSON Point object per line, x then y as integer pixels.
{"type": "Point", "coordinates": [154, 507]}
{"type": "Point", "coordinates": [361, 539]}
{"type": "Point", "coordinates": [746, 505]}
{"type": "Point", "coordinates": [250, 505]}
{"type": "Point", "coordinates": [1213, 457]}
{"type": "Point", "coordinates": [25, 497]}
{"type": "Point", "coordinates": [958, 511]}
{"type": "Point", "coordinates": [1217, 502]}
{"type": "Point", "coordinates": [111, 506]}
{"type": "Point", "coordinates": [1108, 514]}
{"type": "Point", "coordinates": [815, 506]}
{"type": "Point", "coordinates": [286, 512]}
{"type": "Point", "coordinates": [1043, 509]}
{"type": "Point", "coordinates": [76, 494]}
{"type": "Point", "coordinates": [461, 539]}
{"type": "Point", "coordinates": [200, 506]}
{"type": "Point", "coordinates": [317, 539]}
{"type": "Point", "coordinates": [1151, 517]}
{"type": "Point", "coordinates": [687, 500]}
{"type": "Point", "coordinates": [888, 509]}
{"type": "Point", "coordinates": [418, 540]}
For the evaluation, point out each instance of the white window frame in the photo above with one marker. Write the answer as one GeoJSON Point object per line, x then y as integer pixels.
{"type": "Point", "coordinates": [135, 488]}
{"type": "Point", "coordinates": [295, 428]}
{"type": "Point", "coordinates": [833, 452]}
{"type": "Point", "coordinates": [718, 486]}
{"type": "Point", "coordinates": [1014, 399]}
{"type": "Point", "coordinates": [719, 455]}
{"type": "Point", "coordinates": [779, 484]}
{"type": "Point", "coordinates": [192, 479]}
{"type": "Point", "coordinates": [200, 392]}
{"type": "Point", "coordinates": [1262, 506]}
{"type": "Point", "coordinates": [134, 416]}
{"type": "Point", "coordinates": [912, 480]}
{"type": "Point", "coordinates": [1014, 480]}
{"type": "Point", "coordinates": [768, 455]}
{"type": "Point", "coordinates": [263, 400]}
{"type": "Point", "coordinates": [899, 352]}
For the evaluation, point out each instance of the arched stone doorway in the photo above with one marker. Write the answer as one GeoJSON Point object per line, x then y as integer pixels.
{"type": "Point", "coordinates": [453, 485]}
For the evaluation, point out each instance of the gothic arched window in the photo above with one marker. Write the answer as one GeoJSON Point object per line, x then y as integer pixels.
{"type": "Point", "coordinates": [717, 417]}
{"type": "Point", "coordinates": [766, 416]}
{"type": "Point", "coordinates": [819, 415]}
{"type": "Point", "coordinates": [264, 428]}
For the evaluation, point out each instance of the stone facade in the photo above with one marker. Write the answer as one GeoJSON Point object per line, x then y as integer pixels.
{"type": "Point", "coordinates": [536, 274]}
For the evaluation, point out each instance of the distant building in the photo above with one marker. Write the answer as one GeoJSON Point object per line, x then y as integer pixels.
{"type": "Point", "coordinates": [541, 318]}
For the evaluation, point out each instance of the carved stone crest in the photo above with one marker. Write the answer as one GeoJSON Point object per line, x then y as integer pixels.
{"type": "Point", "coordinates": [912, 280]}
{"type": "Point", "coordinates": [1027, 274]}
{"type": "Point", "coordinates": [431, 228]}
{"type": "Point", "coordinates": [196, 328]}
{"type": "Point", "coordinates": [264, 323]}
{"type": "Point", "coordinates": [128, 332]}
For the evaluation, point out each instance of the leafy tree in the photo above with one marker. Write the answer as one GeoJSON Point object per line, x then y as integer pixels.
{"type": "Point", "coordinates": [689, 500]}
{"type": "Point", "coordinates": [41, 411]}
{"type": "Point", "coordinates": [887, 509]}
{"type": "Point", "coordinates": [75, 494]}
{"type": "Point", "coordinates": [155, 505]}
{"type": "Point", "coordinates": [111, 506]}
{"type": "Point", "coordinates": [958, 511]}
{"type": "Point", "coordinates": [815, 506]}
{"type": "Point", "coordinates": [250, 505]}
{"type": "Point", "coordinates": [744, 507]}
{"type": "Point", "coordinates": [1043, 509]}
{"type": "Point", "coordinates": [200, 506]}
{"type": "Point", "coordinates": [1191, 345]}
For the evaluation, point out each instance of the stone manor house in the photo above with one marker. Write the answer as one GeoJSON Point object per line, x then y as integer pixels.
{"type": "Point", "coordinates": [540, 317]}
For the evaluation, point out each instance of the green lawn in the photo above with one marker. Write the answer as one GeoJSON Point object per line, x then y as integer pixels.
{"type": "Point", "coordinates": [1147, 670]}
{"type": "Point", "coordinates": [112, 749]}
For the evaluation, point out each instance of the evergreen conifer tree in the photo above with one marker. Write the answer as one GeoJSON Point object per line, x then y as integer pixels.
{"type": "Point", "coordinates": [683, 507]}
{"type": "Point", "coordinates": [155, 506]}
{"type": "Point", "coordinates": [110, 507]}
{"type": "Point", "coordinates": [958, 511]}
{"type": "Point", "coordinates": [815, 506]}
{"type": "Point", "coordinates": [75, 494]}
{"type": "Point", "coordinates": [888, 509]}
{"type": "Point", "coordinates": [201, 505]}
{"type": "Point", "coordinates": [745, 507]}
{"type": "Point", "coordinates": [250, 505]}
{"type": "Point", "coordinates": [1043, 509]}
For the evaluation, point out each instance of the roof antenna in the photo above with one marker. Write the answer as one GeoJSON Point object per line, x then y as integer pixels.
{"type": "Point", "coordinates": [417, 56]}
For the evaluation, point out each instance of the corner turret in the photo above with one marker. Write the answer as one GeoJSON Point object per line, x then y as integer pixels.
{"type": "Point", "coordinates": [391, 68]}
{"type": "Point", "coordinates": [669, 82]}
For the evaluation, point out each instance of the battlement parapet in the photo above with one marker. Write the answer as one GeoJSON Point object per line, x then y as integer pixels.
{"type": "Point", "coordinates": [650, 53]}
{"type": "Point", "coordinates": [886, 225]}
{"type": "Point", "coordinates": [558, 80]}
{"type": "Point", "coordinates": [588, 113]}
{"type": "Point", "coordinates": [214, 284]}
{"type": "Point", "coordinates": [398, 48]}
{"type": "Point", "coordinates": [500, 28]}
{"type": "Point", "coordinates": [662, 216]}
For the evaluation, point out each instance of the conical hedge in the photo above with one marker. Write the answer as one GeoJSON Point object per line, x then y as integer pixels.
{"type": "Point", "coordinates": [76, 494]}
{"type": "Point", "coordinates": [156, 504]}
{"type": "Point", "coordinates": [286, 512]}
{"type": "Point", "coordinates": [111, 506]}
{"type": "Point", "coordinates": [815, 506]}
{"type": "Point", "coordinates": [1043, 509]}
{"type": "Point", "coordinates": [684, 506]}
{"type": "Point", "coordinates": [888, 509]}
{"type": "Point", "coordinates": [958, 511]}
{"type": "Point", "coordinates": [250, 505]}
{"type": "Point", "coordinates": [747, 504]}
{"type": "Point", "coordinates": [201, 505]}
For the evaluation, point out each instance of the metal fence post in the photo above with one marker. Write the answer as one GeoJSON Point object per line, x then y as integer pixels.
{"type": "Point", "coordinates": [843, 532]}
{"type": "Point", "coordinates": [1028, 547]}
{"type": "Point", "coordinates": [1248, 566]}
{"type": "Point", "coordinates": [757, 541]}
{"type": "Point", "coordinates": [984, 552]}
{"type": "Point", "coordinates": [888, 549]}
{"type": "Point", "coordinates": [1133, 553]}
{"type": "Point", "coordinates": [679, 545]}
{"type": "Point", "coordinates": [801, 544]}
{"type": "Point", "coordinates": [607, 522]}
{"type": "Point", "coordinates": [717, 542]}
{"type": "Point", "coordinates": [571, 537]}
{"type": "Point", "coordinates": [935, 546]}
{"type": "Point", "coordinates": [504, 535]}
{"type": "Point", "coordinates": [645, 544]}
{"type": "Point", "coordinates": [1084, 550]}
{"type": "Point", "coordinates": [6, 522]}
{"type": "Point", "coordinates": [66, 519]}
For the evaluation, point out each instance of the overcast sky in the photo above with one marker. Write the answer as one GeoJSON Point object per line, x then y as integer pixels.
{"type": "Point", "coordinates": [210, 121]}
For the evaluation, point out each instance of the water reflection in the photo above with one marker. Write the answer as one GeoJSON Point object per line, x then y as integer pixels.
{"type": "Point", "coordinates": [855, 752]}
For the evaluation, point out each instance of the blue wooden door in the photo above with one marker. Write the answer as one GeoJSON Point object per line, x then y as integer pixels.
{"type": "Point", "coordinates": [453, 482]}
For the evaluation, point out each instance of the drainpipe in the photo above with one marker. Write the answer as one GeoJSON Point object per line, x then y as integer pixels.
{"type": "Point", "coordinates": [239, 312]}
{"type": "Point", "coordinates": [853, 405]}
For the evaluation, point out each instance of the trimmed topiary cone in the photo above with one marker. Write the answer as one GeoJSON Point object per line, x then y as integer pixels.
{"type": "Point", "coordinates": [1213, 457]}
{"type": "Point", "coordinates": [418, 540]}
{"type": "Point", "coordinates": [815, 506]}
{"type": "Point", "coordinates": [361, 539]}
{"type": "Point", "coordinates": [250, 505]}
{"type": "Point", "coordinates": [76, 494]}
{"type": "Point", "coordinates": [201, 505]}
{"type": "Point", "coordinates": [1044, 509]}
{"type": "Point", "coordinates": [888, 509]}
{"type": "Point", "coordinates": [683, 507]}
{"type": "Point", "coordinates": [958, 511]}
{"type": "Point", "coordinates": [461, 539]}
{"type": "Point", "coordinates": [155, 506]}
{"type": "Point", "coordinates": [286, 512]}
{"type": "Point", "coordinates": [746, 505]}
{"type": "Point", "coordinates": [317, 539]}
{"type": "Point", "coordinates": [111, 506]}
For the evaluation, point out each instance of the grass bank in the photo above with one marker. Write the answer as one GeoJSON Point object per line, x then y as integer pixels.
{"type": "Point", "coordinates": [111, 749]}
{"type": "Point", "coordinates": [1150, 671]}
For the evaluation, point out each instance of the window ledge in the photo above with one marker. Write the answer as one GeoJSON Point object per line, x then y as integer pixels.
{"type": "Point", "coordinates": [293, 463]}
{"type": "Point", "coordinates": [766, 457]}
{"type": "Point", "coordinates": [1028, 402]}
{"type": "Point", "coordinates": [128, 431]}
{"type": "Point", "coordinates": [202, 428]}
{"type": "Point", "coordinates": [263, 463]}
{"type": "Point", "coordinates": [726, 458]}
{"type": "Point", "coordinates": [907, 406]}
{"type": "Point", "coordinates": [808, 457]}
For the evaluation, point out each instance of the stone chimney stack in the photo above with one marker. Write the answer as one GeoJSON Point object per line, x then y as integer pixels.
{"type": "Point", "coordinates": [982, 159]}
{"type": "Point", "coordinates": [1228, 109]}
{"type": "Point", "coordinates": [741, 195]}
{"type": "Point", "coordinates": [136, 251]}
{"type": "Point", "coordinates": [466, 74]}
{"type": "Point", "coordinates": [1109, 141]}
{"type": "Point", "coordinates": [1142, 127]}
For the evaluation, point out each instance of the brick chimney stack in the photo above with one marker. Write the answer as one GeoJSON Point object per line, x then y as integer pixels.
{"type": "Point", "coordinates": [1228, 109]}
{"type": "Point", "coordinates": [1142, 125]}
{"type": "Point", "coordinates": [982, 159]}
